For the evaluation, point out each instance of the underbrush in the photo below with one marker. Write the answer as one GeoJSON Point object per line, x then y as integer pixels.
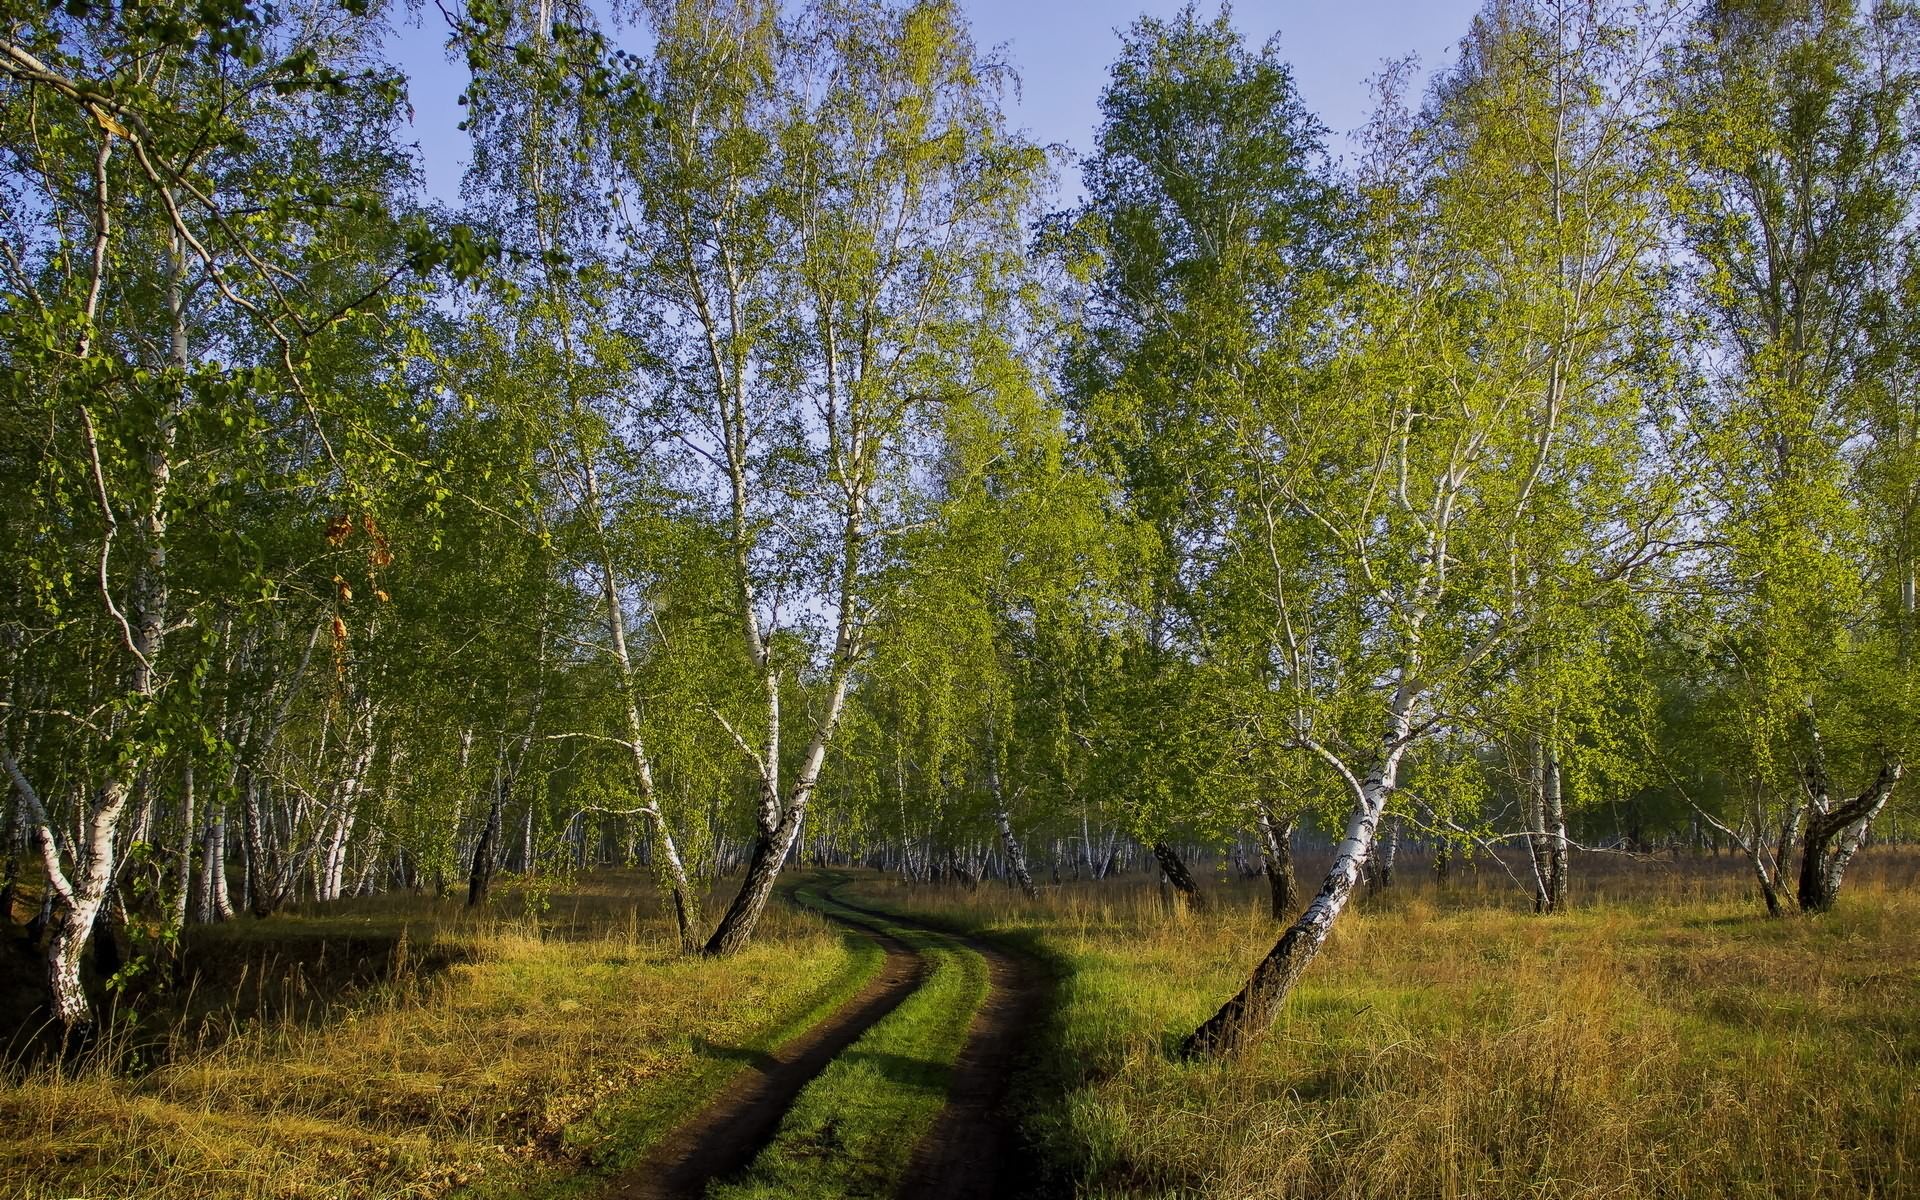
{"type": "Point", "coordinates": [506, 1053]}
{"type": "Point", "coordinates": [1663, 1039]}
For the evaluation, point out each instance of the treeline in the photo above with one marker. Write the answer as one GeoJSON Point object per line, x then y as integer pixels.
{"type": "Point", "coordinates": [752, 461]}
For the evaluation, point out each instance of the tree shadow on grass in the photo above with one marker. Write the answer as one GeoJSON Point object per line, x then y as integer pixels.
{"type": "Point", "coordinates": [760, 1060]}
{"type": "Point", "coordinates": [903, 1070]}
{"type": "Point", "coordinates": [218, 984]}
{"type": "Point", "coordinates": [899, 1069]}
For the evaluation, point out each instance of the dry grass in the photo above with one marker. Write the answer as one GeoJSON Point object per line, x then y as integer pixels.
{"type": "Point", "coordinates": [538, 1049]}
{"type": "Point", "coordinates": [1665, 1039]}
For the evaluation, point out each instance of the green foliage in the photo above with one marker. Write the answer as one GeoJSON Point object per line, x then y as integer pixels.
{"type": "Point", "coordinates": [745, 434]}
{"type": "Point", "coordinates": [1796, 126]}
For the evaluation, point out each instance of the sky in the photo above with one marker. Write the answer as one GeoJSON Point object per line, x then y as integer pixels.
{"type": "Point", "coordinates": [1061, 50]}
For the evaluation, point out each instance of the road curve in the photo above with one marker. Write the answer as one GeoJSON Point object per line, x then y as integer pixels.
{"type": "Point", "coordinates": [723, 1137]}
{"type": "Point", "coordinates": [973, 1151]}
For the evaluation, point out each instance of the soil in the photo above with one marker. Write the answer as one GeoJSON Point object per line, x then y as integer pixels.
{"type": "Point", "coordinates": [723, 1137]}
{"type": "Point", "coordinates": [971, 1153]}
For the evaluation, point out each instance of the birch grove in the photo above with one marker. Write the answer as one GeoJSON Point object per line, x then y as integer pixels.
{"type": "Point", "coordinates": [769, 461]}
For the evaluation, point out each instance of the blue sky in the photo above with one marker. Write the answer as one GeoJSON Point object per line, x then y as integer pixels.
{"type": "Point", "coordinates": [1061, 50]}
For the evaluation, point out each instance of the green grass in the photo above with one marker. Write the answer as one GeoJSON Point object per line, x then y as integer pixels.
{"type": "Point", "coordinates": [1664, 1039]}
{"type": "Point", "coordinates": [853, 1130]}
{"type": "Point", "coordinates": [535, 1056]}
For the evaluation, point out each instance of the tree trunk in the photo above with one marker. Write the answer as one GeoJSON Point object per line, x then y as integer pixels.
{"type": "Point", "coordinates": [69, 928]}
{"type": "Point", "coordinates": [480, 877]}
{"type": "Point", "coordinates": [962, 868]}
{"type": "Point", "coordinates": [10, 888]}
{"type": "Point", "coordinates": [73, 906]}
{"type": "Point", "coordinates": [370, 862]}
{"type": "Point", "coordinates": [1790, 828]}
{"type": "Point", "coordinates": [1539, 846]}
{"type": "Point", "coordinates": [672, 872]}
{"type": "Point", "coordinates": [76, 899]}
{"type": "Point", "coordinates": [264, 895]}
{"type": "Point", "coordinates": [779, 827]}
{"type": "Point", "coordinates": [1177, 874]}
{"type": "Point", "coordinates": [769, 852]}
{"type": "Point", "coordinates": [1756, 852]}
{"type": "Point", "coordinates": [1389, 849]}
{"type": "Point", "coordinates": [333, 873]}
{"type": "Point", "coordinates": [1851, 839]}
{"type": "Point", "coordinates": [1819, 879]}
{"type": "Point", "coordinates": [347, 805]}
{"type": "Point", "coordinates": [1016, 856]}
{"type": "Point", "coordinates": [1554, 809]}
{"type": "Point", "coordinates": [1251, 1011]}
{"type": "Point", "coordinates": [246, 875]}
{"type": "Point", "coordinates": [183, 865]}
{"type": "Point", "coordinates": [213, 866]}
{"type": "Point", "coordinates": [1276, 859]}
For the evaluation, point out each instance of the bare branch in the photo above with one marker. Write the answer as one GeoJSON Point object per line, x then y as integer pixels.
{"type": "Point", "coordinates": [106, 541]}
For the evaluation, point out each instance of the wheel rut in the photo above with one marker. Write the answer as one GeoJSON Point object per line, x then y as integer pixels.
{"type": "Point", "coordinates": [972, 1151]}
{"type": "Point", "coordinates": [723, 1137]}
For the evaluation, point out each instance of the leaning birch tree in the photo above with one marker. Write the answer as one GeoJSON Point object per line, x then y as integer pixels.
{"type": "Point", "coordinates": [1485, 397]}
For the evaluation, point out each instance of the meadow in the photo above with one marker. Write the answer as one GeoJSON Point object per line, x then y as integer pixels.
{"type": "Point", "coordinates": [530, 1050]}
{"type": "Point", "coordinates": [1663, 1038]}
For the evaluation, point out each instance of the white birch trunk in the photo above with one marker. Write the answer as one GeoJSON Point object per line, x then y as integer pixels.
{"type": "Point", "coordinates": [183, 865]}
{"type": "Point", "coordinates": [76, 898]}
{"type": "Point", "coordinates": [1248, 1013]}
{"type": "Point", "coordinates": [211, 901]}
{"type": "Point", "coordinates": [1016, 855]}
{"type": "Point", "coordinates": [1553, 807]}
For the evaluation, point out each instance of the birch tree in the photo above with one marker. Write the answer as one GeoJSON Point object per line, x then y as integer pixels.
{"type": "Point", "coordinates": [816, 206]}
{"type": "Point", "coordinates": [1482, 411]}
{"type": "Point", "coordinates": [1797, 125]}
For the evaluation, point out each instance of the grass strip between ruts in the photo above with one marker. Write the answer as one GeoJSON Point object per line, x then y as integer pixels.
{"type": "Point", "coordinates": [620, 1132]}
{"type": "Point", "coordinates": [853, 1131]}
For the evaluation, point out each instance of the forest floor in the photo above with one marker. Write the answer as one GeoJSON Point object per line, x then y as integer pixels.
{"type": "Point", "coordinates": [532, 1049]}
{"type": "Point", "coordinates": [1664, 1038]}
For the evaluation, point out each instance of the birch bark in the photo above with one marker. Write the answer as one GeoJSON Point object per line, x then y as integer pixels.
{"type": "Point", "coordinates": [1003, 820]}
{"type": "Point", "coordinates": [1252, 1010]}
{"type": "Point", "coordinates": [1276, 860]}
